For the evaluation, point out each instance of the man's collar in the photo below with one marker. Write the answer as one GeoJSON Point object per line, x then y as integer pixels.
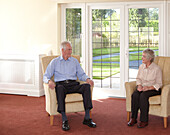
{"type": "Point", "coordinates": [61, 58]}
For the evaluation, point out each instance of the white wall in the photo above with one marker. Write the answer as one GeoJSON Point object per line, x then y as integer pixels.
{"type": "Point", "coordinates": [27, 26]}
{"type": "Point", "coordinates": [33, 26]}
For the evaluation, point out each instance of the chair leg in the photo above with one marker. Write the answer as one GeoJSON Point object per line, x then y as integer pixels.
{"type": "Point", "coordinates": [128, 116]}
{"type": "Point", "coordinates": [51, 119]}
{"type": "Point", "coordinates": [48, 114]}
{"type": "Point", "coordinates": [165, 122]}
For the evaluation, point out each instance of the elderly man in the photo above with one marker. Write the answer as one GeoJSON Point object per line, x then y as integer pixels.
{"type": "Point", "coordinates": [66, 69]}
{"type": "Point", "coordinates": [149, 83]}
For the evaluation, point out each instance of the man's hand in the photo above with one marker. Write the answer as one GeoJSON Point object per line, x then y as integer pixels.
{"type": "Point", "coordinates": [51, 84]}
{"type": "Point", "coordinates": [90, 82]}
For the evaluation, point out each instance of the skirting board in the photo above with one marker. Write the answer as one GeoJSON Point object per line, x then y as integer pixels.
{"type": "Point", "coordinates": [32, 92]}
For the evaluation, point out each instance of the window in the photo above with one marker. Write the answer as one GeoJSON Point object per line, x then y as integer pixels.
{"type": "Point", "coordinates": [106, 47]}
{"type": "Point", "coordinates": [73, 29]}
{"type": "Point", "coordinates": [143, 33]}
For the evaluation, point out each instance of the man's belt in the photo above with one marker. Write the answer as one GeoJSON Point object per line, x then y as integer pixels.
{"type": "Point", "coordinates": [66, 81]}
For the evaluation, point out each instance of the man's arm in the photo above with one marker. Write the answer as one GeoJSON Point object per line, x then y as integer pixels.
{"type": "Point", "coordinates": [82, 75]}
{"type": "Point", "coordinates": [48, 74]}
{"type": "Point", "coordinates": [80, 72]}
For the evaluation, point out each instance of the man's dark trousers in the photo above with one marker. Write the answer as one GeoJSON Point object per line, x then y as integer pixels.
{"type": "Point", "coordinates": [62, 89]}
{"type": "Point", "coordinates": [140, 100]}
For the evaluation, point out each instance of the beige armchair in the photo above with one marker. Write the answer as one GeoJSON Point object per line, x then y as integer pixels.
{"type": "Point", "coordinates": [74, 102]}
{"type": "Point", "coordinates": [160, 104]}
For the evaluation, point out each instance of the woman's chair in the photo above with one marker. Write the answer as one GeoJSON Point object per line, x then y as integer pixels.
{"type": "Point", "coordinates": [74, 102]}
{"type": "Point", "coordinates": [160, 104]}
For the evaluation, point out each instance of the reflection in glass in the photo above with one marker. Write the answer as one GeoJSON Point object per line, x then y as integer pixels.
{"type": "Point", "coordinates": [73, 29]}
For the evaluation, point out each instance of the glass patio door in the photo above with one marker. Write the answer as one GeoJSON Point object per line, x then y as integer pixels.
{"type": "Point", "coordinates": [143, 33]}
{"type": "Point", "coordinates": [106, 48]}
{"type": "Point", "coordinates": [105, 38]}
{"type": "Point", "coordinates": [117, 45]}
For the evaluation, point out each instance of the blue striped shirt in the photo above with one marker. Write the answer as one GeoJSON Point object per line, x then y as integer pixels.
{"type": "Point", "coordinates": [63, 69]}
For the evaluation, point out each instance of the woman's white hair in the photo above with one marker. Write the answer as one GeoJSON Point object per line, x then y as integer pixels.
{"type": "Point", "coordinates": [63, 45]}
{"type": "Point", "coordinates": [149, 54]}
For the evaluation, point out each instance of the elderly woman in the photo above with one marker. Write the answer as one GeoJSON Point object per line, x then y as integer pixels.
{"type": "Point", "coordinates": [149, 82]}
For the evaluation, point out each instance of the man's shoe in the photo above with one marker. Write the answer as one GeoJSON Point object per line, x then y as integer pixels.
{"type": "Point", "coordinates": [65, 125]}
{"type": "Point", "coordinates": [142, 124]}
{"type": "Point", "coordinates": [132, 122]}
{"type": "Point", "coordinates": [89, 123]}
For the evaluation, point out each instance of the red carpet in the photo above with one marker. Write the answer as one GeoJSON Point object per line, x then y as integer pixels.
{"type": "Point", "coordinates": [23, 115]}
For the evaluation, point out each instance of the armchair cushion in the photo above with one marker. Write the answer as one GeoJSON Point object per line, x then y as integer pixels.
{"type": "Point", "coordinates": [73, 98]}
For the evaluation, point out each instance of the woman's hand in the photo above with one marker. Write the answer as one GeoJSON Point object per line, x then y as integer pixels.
{"type": "Point", "coordinates": [146, 88]}
{"type": "Point", "coordinates": [140, 88]}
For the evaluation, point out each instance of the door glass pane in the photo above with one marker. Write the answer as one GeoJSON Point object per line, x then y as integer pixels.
{"type": "Point", "coordinates": [73, 29]}
{"type": "Point", "coordinates": [143, 33]}
{"type": "Point", "coordinates": [106, 47]}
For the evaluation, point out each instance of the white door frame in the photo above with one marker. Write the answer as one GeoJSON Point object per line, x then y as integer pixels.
{"type": "Point", "coordinates": [89, 7]}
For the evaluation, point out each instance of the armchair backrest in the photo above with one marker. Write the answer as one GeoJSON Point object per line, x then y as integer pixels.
{"type": "Point", "coordinates": [164, 63]}
{"type": "Point", "coordinates": [47, 59]}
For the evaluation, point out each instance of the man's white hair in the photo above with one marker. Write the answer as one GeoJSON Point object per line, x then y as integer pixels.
{"type": "Point", "coordinates": [63, 45]}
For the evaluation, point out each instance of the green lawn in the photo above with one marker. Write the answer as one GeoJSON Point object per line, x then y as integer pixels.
{"type": "Point", "coordinates": [105, 51]}
{"type": "Point", "coordinates": [132, 57]}
{"type": "Point", "coordinates": [104, 70]}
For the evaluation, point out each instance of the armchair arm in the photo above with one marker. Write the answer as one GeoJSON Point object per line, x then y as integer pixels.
{"type": "Point", "coordinates": [130, 88]}
{"type": "Point", "coordinates": [81, 82]}
{"type": "Point", "coordinates": [51, 100]}
{"type": "Point", "coordinates": [165, 101]}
